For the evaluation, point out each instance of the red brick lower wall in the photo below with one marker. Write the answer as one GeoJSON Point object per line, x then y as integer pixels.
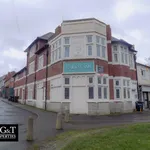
{"type": "Point", "coordinates": [121, 70]}
{"type": "Point", "coordinates": [111, 89]}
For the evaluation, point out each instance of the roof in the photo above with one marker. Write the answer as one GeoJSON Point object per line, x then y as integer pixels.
{"type": "Point", "coordinates": [2, 77]}
{"type": "Point", "coordinates": [9, 75]}
{"type": "Point", "coordinates": [85, 19]}
{"type": "Point", "coordinates": [121, 41]}
{"type": "Point", "coordinates": [20, 71]}
{"type": "Point", "coordinates": [44, 37]}
{"type": "Point", "coordinates": [143, 65]}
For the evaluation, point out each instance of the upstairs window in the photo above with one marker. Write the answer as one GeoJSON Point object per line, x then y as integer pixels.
{"type": "Point", "coordinates": [67, 51]}
{"type": "Point", "coordinates": [115, 54]}
{"type": "Point", "coordinates": [40, 62]}
{"type": "Point", "coordinates": [103, 51]}
{"type": "Point", "coordinates": [98, 50]}
{"type": "Point", "coordinates": [143, 73]}
{"type": "Point", "coordinates": [103, 41]}
{"type": "Point", "coordinates": [32, 50]}
{"type": "Point", "coordinates": [89, 50]}
{"type": "Point", "coordinates": [97, 39]}
{"type": "Point", "coordinates": [59, 42]}
{"type": "Point", "coordinates": [89, 39]}
{"type": "Point", "coordinates": [66, 40]}
{"type": "Point", "coordinates": [31, 67]}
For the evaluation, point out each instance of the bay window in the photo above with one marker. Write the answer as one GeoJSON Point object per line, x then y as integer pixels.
{"type": "Point", "coordinates": [102, 87]}
{"type": "Point", "coordinates": [40, 62]}
{"type": "Point", "coordinates": [56, 51]}
{"type": "Point", "coordinates": [91, 87]}
{"type": "Point", "coordinates": [126, 89]}
{"type": "Point", "coordinates": [89, 50]}
{"type": "Point", "coordinates": [117, 87]}
{"type": "Point", "coordinates": [66, 88]}
{"type": "Point", "coordinates": [131, 61]}
{"type": "Point", "coordinates": [67, 51]}
{"type": "Point", "coordinates": [98, 50]}
{"type": "Point", "coordinates": [103, 52]}
{"type": "Point", "coordinates": [89, 38]}
{"type": "Point", "coordinates": [66, 40]}
{"type": "Point", "coordinates": [103, 41]}
{"type": "Point", "coordinates": [115, 54]}
{"type": "Point", "coordinates": [31, 67]}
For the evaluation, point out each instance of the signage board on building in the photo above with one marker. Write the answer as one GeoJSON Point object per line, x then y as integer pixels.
{"type": "Point", "coordinates": [79, 67]}
{"type": "Point", "coordinates": [99, 69]}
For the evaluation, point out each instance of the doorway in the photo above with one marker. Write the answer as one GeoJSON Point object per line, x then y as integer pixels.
{"type": "Point", "coordinates": [146, 101]}
{"type": "Point", "coordinates": [79, 104]}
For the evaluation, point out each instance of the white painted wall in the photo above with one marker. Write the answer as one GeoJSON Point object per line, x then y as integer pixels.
{"type": "Point", "coordinates": [141, 79]}
{"type": "Point", "coordinates": [77, 32]}
{"type": "Point", "coordinates": [83, 26]}
{"type": "Point", "coordinates": [56, 90]}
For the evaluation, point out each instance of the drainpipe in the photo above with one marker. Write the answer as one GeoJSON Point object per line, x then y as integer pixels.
{"type": "Point", "coordinates": [26, 71]}
{"type": "Point", "coordinates": [136, 75]}
{"type": "Point", "coordinates": [46, 78]}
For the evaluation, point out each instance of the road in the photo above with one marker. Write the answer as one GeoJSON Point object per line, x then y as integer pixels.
{"type": "Point", "coordinates": [12, 115]}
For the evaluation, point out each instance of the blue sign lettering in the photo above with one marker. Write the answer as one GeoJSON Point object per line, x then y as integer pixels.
{"type": "Point", "coordinates": [79, 67]}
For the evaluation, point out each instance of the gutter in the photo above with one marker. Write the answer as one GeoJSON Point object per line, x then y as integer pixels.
{"type": "Point", "coordinates": [25, 91]}
{"type": "Point", "coordinates": [136, 77]}
{"type": "Point", "coordinates": [46, 78]}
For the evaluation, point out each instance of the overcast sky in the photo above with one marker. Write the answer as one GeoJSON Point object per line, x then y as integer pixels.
{"type": "Point", "coordinates": [23, 20]}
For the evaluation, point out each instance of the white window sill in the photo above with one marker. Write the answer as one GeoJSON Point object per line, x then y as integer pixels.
{"type": "Point", "coordinates": [41, 69]}
{"type": "Point", "coordinates": [97, 101]}
{"type": "Point", "coordinates": [30, 74]}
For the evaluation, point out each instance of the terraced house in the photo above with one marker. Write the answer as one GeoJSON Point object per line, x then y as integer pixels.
{"type": "Point", "coordinates": [81, 67]}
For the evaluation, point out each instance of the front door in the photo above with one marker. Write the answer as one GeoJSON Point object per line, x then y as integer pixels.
{"type": "Point", "coordinates": [145, 97]}
{"type": "Point", "coordinates": [79, 104]}
{"type": "Point", "coordinates": [23, 96]}
{"type": "Point", "coordinates": [39, 96]}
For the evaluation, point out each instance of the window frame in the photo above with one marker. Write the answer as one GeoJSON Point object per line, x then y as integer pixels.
{"type": "Point", "coordinates": [67, 38]}
{"type": "Point", "coordinates": [103, 86]}
{"type": "Point", "coordinates": [33, 70]}
{"type": "Point", "coordinates": [87, 39]}
{"type": "Point", "coordinates": [66, 56]}
{"type": "Point", "coordinates": [117, 87]}
{"type": "Point", "coordinates": [40, 62]}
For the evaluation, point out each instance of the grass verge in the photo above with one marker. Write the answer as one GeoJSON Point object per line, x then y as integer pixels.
{"type": "Point", "coordinates": [125, 137]}
{"type": "Point", "coordinates": [129, 137]}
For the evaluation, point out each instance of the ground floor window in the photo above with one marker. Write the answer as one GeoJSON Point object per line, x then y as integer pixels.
{"type": "Point", "coordinates": [126, 89]}
{"type": "Point", "coordinates": [91, 92]}
{"type": "Point", "coordinates": [122, 88]}
{"type": "Point", "coordinates": [118, 93]}
{"type": "Point", "coordinates": [102, 87]}
{"type": "Point", "coordinates": [66, 92]}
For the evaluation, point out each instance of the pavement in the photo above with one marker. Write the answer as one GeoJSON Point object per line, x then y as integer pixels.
{"type": "Point", "coordinates": [45, 122]}
{"type": "Point", "coordinates": [12, 115]}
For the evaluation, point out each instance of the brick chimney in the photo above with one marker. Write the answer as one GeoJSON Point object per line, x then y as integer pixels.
{"type": "Point", "coordinates": [58, 30]}
{"type": "Point", "coordinates": [108, 31]}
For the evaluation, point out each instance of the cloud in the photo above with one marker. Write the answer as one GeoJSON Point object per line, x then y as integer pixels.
{"type": "Point", "coordinates": [24, 20]}
{"type": "Point", "coordinates": [13, 53]}
{"type": "Point", "coordinates": [126, 8]}
{"type": "Point", "coordinates": [12, 67]}
{"type": "Point", "coordinates": [2, 62]}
